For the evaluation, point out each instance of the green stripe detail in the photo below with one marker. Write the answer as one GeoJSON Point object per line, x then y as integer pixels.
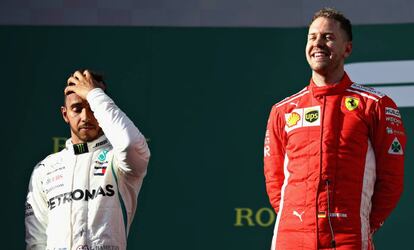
{"type": "Point", "coordinates": [121, 201]}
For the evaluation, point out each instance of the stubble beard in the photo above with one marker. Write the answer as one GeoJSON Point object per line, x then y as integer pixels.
{"type": "Point", "coordinates": [87, 136]}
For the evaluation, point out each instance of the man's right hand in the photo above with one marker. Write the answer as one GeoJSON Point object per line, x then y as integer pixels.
{"type": "Point", "coordinates": [81, 83]}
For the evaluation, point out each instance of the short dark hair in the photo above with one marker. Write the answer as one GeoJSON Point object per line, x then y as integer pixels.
{"type": "Point", "coordinates": [335, 15]}
{"type": "Point", "coordinates": [95, 75]}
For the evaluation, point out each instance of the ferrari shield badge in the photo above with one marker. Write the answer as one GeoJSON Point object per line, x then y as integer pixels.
{"type": "Point", "coordinates": [351, 103]}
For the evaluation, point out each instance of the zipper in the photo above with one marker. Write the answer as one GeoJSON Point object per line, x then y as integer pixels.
{"type": "Point", "coordinates": [327, 182]}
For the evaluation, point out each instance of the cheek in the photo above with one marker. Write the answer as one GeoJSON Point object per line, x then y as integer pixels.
{"type": "Point", "coordinates": [307, 47]}
{"type": "Point", "coordinates": [307, 51]}
{"type": "Point", "coordinates": [72, 115]}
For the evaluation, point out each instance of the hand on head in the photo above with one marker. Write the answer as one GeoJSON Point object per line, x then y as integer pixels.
{"type": "Point", "coordinates": [81, 83]}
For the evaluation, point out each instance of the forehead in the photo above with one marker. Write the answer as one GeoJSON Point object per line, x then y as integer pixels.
{"type": "Point", "coordinates": [74, 99]}
{"type": "Point", "coordinates": [324, 25]}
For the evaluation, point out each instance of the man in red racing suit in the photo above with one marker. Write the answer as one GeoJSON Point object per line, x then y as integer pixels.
{"type": "Point", "coordinates": [333, 161]}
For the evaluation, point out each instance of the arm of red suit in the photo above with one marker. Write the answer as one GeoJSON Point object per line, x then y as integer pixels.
{"type": "Point", "coordinates": [274, 155]}
{"type": "Point", "coordinates": [389, 141]}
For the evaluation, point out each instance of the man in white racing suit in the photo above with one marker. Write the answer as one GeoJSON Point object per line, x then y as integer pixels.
{"type": "Point", "coordinates": [85, 196]}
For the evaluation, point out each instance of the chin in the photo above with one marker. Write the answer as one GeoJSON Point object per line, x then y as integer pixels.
{"type": "Point", "coordinates": [88, 137]}
{"type": "Point", "coordinates": [320, 67]}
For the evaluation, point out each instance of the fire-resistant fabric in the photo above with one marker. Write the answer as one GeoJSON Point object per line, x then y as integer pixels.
{"type": "Point", "coordinates": [333, 163]}
{"type": "Point", "coordinates": [87, 200]}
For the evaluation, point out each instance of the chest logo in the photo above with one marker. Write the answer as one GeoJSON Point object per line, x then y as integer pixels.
{"type": "Point", "coordinates": [102, 155]}
{"type": "Point", "coordinates": [312, 115]}
{"type": "Point", "coordinates": [351, 103]}
{"type": "Point", "coordinates": [293, 119]}
{"type": "Point", "coordinates": [303, 117]}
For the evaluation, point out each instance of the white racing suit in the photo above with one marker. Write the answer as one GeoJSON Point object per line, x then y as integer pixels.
{"type": "Point", "coordinates": [85, 196]}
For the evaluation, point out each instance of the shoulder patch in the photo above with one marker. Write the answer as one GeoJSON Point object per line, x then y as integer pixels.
{"type": "Point", "coordinates": [368, 90]}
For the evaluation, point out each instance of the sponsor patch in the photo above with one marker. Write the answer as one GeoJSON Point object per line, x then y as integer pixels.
{"type": "Point", "coordinates": [55, 170]}
{"type": "Point", "coordinates": [293, 119]}
{"type": "Point", "coordinates": [368, 89]}
{"type": "Point", "coordinates": [102, 155]}
{"type": "Point", "coordinates": [351, 103]}
{"type": "Point", "coordinates": [28, 210]}
{"type": "Point", "coordinates": [398, 132]}
{"type": "Point", "coordinates": [80, 194]}
{"type": "Point", "coordinates": [395, 148]}
{"type": "Point", "coordinates": [393, 120]}
{"type": "Point", "coordinates": [267, 146]}
{"type": "Point", "coordinates": [101, 163]}
{"type": "Point", "coordinates": [392, 131]}
{"type": "Point", "coordinates": [80, 148]}
{"type": "Point", "coordinates": [312, 116]}
{"type": "Point", "coordinates": [99, 170]}
{"type": "Point", "coordinates": [100, 143]}
{"type": "Point", "coordinates": [338, 215]}
{"type": "Point", "coordinates": [303, 117]}
{"type": "Point", "coordinates": [392, 112]}
{"type": "Point", "coordinates": [323, 214]}
{"type": "Point", "coordinates": [53, 179]}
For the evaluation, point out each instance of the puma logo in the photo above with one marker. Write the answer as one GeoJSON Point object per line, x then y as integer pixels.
{"type": "Point", "coordinates": [298, 215]}
{"type": "Point", "coordinates": [294, 103]}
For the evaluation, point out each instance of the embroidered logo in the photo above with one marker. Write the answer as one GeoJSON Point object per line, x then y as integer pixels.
{"type": "Point", "coordinates": [395, 148]}
{"type": "Point", "coordinates": [293, 119]}
{"type": "Point", "coordinates": [296, 213]}
{"type": "Point", "coordinates": [102, 155]}
{"type": "Point", "coordinates": [312, 115]}
{"type": "Point", "coordinates": [351, 103]}
{"type": "Point", "coordinates": [392, 112]}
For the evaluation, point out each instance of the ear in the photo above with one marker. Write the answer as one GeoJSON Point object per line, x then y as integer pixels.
{"type": "Point", "coordinates": [348, 49]}
{"type": "Point", "coordinates": [64, 112]}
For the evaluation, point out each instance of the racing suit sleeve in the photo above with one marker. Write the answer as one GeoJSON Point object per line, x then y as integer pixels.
{"type": "Point", "coordinates": [389, 141]}
{"type": "Point", "coordinates": [36, 213]}
{"type": "Point", "coordinates": [274, 155]}
{"type": "Point", "coordinates": [130, 147]}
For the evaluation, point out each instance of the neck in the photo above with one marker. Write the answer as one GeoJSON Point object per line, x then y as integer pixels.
{"type": "Point", "coordinates": [321, 79]}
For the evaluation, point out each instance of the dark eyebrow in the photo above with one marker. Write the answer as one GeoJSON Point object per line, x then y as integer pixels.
{"type": "Point", "coordinates": [326, 33]}
{"type": "Point", "coordinates": [76, 104]}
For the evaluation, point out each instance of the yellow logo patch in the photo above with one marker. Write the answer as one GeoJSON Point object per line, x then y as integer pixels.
{"type": "Point", "coordinates": [293, 119]}
{"type": "Point", "coordinates": [351, 103]}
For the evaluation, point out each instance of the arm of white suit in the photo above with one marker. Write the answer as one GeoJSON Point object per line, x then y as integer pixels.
{"type": "Point", "coordinates": [130, 147]}
{"type": "Point", "coordinates": [36, 214]}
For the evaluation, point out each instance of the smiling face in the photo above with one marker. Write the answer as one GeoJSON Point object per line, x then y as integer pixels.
{"type": "Point", "coordinates": [83, 125]}
{"type": "Point", "coordinates": [327, 47]}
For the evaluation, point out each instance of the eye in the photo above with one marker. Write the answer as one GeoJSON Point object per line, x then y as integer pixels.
{"type": "Point", "coordinates": [330, 37]}
{"type": "Point", "coordinates": [77, 108]}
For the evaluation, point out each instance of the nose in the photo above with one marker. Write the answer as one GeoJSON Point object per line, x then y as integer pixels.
{"type": "Point", "coordinates": [86, 114]}
{"type": "Point", "coordinates": [318, 41]}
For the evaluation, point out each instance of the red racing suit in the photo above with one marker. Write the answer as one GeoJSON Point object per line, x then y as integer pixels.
{"type": "Point", "coordinates": [333, 163]}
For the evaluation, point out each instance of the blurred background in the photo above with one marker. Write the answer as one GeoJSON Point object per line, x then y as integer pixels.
{"type": "Point", "coordinates": [198, 77]}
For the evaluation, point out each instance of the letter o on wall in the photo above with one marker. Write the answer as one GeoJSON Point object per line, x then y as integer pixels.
{"type": "Point", "coordinates": [259, 217]}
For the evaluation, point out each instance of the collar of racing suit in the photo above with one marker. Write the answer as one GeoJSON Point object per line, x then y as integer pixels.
{"type": "Point", "coordinates": [333, 89]}
{"type": "Point", "coordinates": [86, 147]}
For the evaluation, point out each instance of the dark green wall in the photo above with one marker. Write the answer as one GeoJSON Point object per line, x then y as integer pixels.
{"type": "Point", "coordinates": [201, 96]}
